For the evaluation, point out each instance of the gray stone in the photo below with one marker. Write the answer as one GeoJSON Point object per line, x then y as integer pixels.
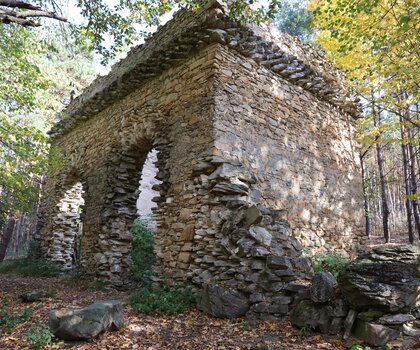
{"type": "Point", "coordinates": [222, 302]}
{"type": "Point", "coordinates": [369, 315]}
{"type": "Point", "coordinates": [307, 313]}
{"type": "Point", "coordinates": [322, 289]}
{"type": "Point", "coordinates": [244, 246]}
{"type": "Point", "coordinates": [296, 286]}
{"type": "Point", "coordinates": [33, 296]}
{"type": "Point", "coordinates": [260, 234]}
{"type": "Point", "coordinates": [279, 262]}
{"type": "Point", "coordinates": [374, 334]}
{"type": "Point", "coordinates": [86, 323]}
{"type": "Point", "coordinates": [386, 279]}
{"type": "Point", "coordinates": [338, 308]}
{"type": "Point", "coordinates": [336, 325]}
{"type": "Point", "coordinates": [256, 297]}
{"type": "Point", "coordinates": [349, 323]}
{"type": "Point", "coordinates": [410, 330]}
{"type": "Point", "coordinates": [396, 319]}
{"type": "Point", "coordinates": [270, 308]}
{"type": "Point", "coordinates": [259, 252]}
{"type": "Point", "coordinates": [253, 216]}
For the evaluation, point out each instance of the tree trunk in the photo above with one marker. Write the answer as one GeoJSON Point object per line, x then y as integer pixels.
{"type": "Point", "coordinates": [6, 237]}
{"type": "Point", "coordinates": [368, 222]}
{"type": "Point", "coordinates": [407, 184]}
{"type": "Point", "coordinates": [413, 183]}
{"type": "Point", "coordinates": [380, 161]}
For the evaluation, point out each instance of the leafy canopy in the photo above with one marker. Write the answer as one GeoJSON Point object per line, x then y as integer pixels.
{"type": "Point", "coordinates": [376, 42]}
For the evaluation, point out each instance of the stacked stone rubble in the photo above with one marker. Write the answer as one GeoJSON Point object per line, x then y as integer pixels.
{"type": "Point", "coordinates": [62, 241]}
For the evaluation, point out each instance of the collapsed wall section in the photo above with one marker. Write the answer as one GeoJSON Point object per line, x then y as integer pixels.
{"type": "Point", "coordinates": [283, 176]}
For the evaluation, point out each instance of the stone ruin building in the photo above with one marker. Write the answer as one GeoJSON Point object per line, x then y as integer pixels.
{"type": "Point", "coordinates": [256, 157]}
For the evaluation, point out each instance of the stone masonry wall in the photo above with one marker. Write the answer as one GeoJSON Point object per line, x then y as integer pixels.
{"type": "Point", "coordinates": [172, 114]}
{"type": "Point", "coordinates": [301, 149]}
{"type": "Point", "coordinates": [256, 158]}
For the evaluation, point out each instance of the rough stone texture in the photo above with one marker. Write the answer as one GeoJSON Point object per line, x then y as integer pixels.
{"type": "Point", "coordinates": [349, 322]}
{"type": "Point", "coordinates": [385, 279]}
{"type": "Point", "coordinates": [87, 323]}
{"type": "Point", "coordinates": [222, 302]}
{"type": "Point", "coordinates": [256, 158]}
{"type": "Point", "coordinates": [307, 313]}
{"type": "Point", "coordinates": [322, 289]}
{"type": "Point", "coordinates": [374, 334]}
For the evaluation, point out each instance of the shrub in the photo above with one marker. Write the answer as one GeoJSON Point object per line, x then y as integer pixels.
{"type": "Point", "coordinates": [330, 262]}
{"type": "Point", "coordinates": [30, 268]}
{"type": "Point", "coordinates": [142, 253]}
{"type": "Point", "coordinates": [8, 321]}
{"type": "Point", "coordinates": [167, 299]}
{"type": "Point", "coordinates": [39, 336]}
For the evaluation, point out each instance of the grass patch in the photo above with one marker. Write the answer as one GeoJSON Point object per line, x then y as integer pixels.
{"type": "Point", "coordinates": [39, 336]}
{"type": "Point", "coordinates": [9, 321]}
{"type": "Point", "coordinates": [30, 268]}
{"type": "Point", "coordinates": [167, 299]}
{"type": "Point", "coordinates": [142, 253]}
{"type": "Point", "coordinates": [329, 262]}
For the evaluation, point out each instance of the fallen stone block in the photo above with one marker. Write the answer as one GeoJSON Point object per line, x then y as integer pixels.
{"type": "Point", "coordinates": [86, 323]}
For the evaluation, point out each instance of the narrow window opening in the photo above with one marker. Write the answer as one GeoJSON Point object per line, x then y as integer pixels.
{"type": "Point", "coordinates": [149, 189]}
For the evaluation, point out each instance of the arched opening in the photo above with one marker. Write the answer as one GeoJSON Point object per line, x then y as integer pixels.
{"type": "Point", "coordinates": [149, 190]}
{"type": "Point", "coordinates": [67, 227]}
{"type": "Point", "coordinates": [143, 244]}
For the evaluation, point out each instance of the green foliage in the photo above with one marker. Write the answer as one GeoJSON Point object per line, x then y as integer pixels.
{"type": "Point", "coordinates": [142, 253]}
{"type": "Point", "coordinates": [307, 328]}
{"type": "Point", "coordinates": [359, 347]}
{"type": "Point", "coordinates": [40, 73]}
{"type": "Point", "coordinates": [39, 336]}
{"type": "Point", "coordinates": [295, 19]}
{"type": "Point", "coordinates": [8, 321]}
{"type": "Point", "coordinates": [167, 299]}
{"type": "Point", "coordinates": [79, 278]}
{"type": "Point", "coordinates": [329, 262]}
{"type": "Point", "coordinates": [375, 42]}
{"type": "Point", "coordinates": [30, 268]}
{"type": "Point", "coordinates": [121, 22]}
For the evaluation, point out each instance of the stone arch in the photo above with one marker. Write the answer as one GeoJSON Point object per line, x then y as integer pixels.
{"type": "Point", "coordinates": [124, 169]}
{"type": "Point", "coordinates": [64, 221]}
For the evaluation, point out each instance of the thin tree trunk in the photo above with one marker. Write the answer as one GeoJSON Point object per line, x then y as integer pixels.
{"type": "Point", "coordinates": [407, 184]}
{"type": "Point", "coordinates": [380, 161]}
{"type": "Point", "coordinates": [368, 222]}
{"type": "Point", "coordinates": [413, 183]}
{"type": "Point", "coordinates": [7, 235]}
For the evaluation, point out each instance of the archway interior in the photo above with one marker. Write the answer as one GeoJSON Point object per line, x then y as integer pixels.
{"type": "Point", "coordinates": [149, 190]}
{"type": "Point", "coordinates": [68, 227]}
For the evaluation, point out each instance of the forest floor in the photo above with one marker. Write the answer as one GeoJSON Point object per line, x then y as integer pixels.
{"type": "Point", "coordinates": [188, 330]}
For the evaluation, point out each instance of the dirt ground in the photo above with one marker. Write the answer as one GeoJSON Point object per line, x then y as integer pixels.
{"type": "Point", "coordinates": [189, 330]}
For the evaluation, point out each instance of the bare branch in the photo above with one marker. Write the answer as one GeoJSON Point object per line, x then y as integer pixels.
{"type": "Point", "coordinates": [7, 15]}
{"type": "Point", "coordinates": [19, 4]}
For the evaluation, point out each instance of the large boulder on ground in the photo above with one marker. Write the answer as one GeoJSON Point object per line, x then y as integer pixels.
{"type": "Point", "coordinates": [374, 334]}
{"type": "Point", "coordinates": [386, 279]}
{"type": "Point", "coordinates": [86, 323]}
{"type": "Point", "coordinates": [308, 314]}
{"type": "Point", "coordinates": [222, 302]}
{"type": "Point", "coordinates": [322, 289]}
